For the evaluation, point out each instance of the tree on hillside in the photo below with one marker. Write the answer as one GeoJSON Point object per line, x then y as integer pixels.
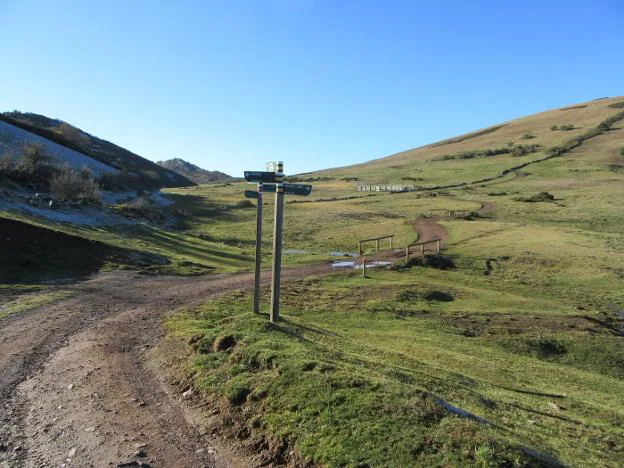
{"type": "Point", "coordinates": [32, 160]}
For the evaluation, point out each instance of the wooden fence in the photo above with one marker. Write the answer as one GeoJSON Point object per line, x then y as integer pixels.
{"type": "Point", "coordinates": [376, 240]}
{"type": "Point", "coordinates": [421, 245]}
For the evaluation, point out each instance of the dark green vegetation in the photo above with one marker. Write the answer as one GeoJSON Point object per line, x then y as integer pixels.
{"type": "Point", "coordinates": [33, 254]}
{"type": "Point", "coordinates": [136, 171]}
{"type": "Point", "coordinates": [194, 173]}
{"type": "Point", "coordinates": [515, 150]}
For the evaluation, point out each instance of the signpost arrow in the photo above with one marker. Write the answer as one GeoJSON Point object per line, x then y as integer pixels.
{"type": "Point", "coordinates": [291, 189]}
{"type": "Point", "coordinates": [260, 176]}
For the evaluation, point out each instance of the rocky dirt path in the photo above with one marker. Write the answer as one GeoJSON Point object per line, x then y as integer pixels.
{"type": "Point", "coordinates": [81, 384]}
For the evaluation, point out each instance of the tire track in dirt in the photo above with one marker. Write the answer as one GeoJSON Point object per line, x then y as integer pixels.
{"type": "Point", "coordinates": [80, 385]}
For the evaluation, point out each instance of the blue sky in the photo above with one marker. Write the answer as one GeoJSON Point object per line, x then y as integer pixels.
{"type": "Point", "coordinates": [229, 85]}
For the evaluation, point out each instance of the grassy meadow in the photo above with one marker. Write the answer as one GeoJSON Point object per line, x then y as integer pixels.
{"type": "Point", "coordinates": [512, 358]}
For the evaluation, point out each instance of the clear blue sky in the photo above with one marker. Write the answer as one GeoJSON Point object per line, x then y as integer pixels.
{"type": "Point", "coordinates": [318, 83]}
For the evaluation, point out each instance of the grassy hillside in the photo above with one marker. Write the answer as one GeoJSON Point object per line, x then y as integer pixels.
{"type": "Point", "coordinates": [454, 160]}
{"type": "Point", "coordinates": [512, 358]}
{"type": "Point", "coordinates": [146, 173]}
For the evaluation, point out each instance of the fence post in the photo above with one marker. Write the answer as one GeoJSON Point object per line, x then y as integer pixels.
{"type": "Point", "coordinates": [391, 242]}
{"type": "Point", "coordinates": [377, 244]}
{"type": "Point", "coordinates": [406, 253]}
{"type": "Point", "coordinates": [422, 249]}
{"type": "Point", "coordinates": [364, 267]}
{"type": "Point", "coordinates": [438, 245]}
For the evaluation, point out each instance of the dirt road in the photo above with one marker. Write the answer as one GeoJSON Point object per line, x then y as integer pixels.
{"type": "Point", "coordinates": [80, 383]}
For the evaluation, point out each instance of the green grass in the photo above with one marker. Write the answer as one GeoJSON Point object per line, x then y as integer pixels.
{"type": "Point", "coordinates": [354, 372]}
{"type": "Point", "coordinates": [358, 368]}
{"type": "Point", "coordinates": [30, 301]}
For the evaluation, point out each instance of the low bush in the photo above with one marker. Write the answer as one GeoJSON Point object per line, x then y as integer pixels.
{"type": "Point", "coordinates": [567, 127]}
{"type": "Point", "coordinates": [540, 197]}
{"type": "Point", "coordinates": [517, 150]}
{"type": "Point", "coordinates": [68, 184]}
{"type": "Point", "coordinates": [554, 127]}
{"type": "Point", "coordinates": [617, 105]}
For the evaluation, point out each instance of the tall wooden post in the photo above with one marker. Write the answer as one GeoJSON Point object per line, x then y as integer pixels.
{"type": "Point", "coordinates": [406, 253]}
{"type": "Point", "coordinates": [422, 249]}
{"type": "Point", "coordinates": [377, 244]}
{"type": "Point", "coordinates": [438, 245]}
{"type": "Point", "coordinates": [277, 242]}
{"type": "Point", "coordinates": [256, 298]}
{"type": "Point", "coordinates": [364, 267]}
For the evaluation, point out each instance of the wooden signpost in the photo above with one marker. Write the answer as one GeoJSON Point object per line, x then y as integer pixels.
{"type": "Point", "coordinates": [271, 181]}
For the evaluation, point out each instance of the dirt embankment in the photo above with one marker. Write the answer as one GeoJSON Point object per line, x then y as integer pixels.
{"type": "Point", "coordinates": [80, 383]}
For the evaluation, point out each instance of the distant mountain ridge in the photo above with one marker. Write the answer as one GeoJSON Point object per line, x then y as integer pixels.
{"type": "Point", "coordinates": [193, 172]}
{"type": "Point", "coordinates": [144, 173]}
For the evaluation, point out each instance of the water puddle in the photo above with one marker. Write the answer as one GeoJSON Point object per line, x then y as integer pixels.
{"type": "Point", "coordinates": [356, 265]}
{"type": "Point", "coordinates": [294, 251]}
{"type": "Point", "coordinates": [342, 254]}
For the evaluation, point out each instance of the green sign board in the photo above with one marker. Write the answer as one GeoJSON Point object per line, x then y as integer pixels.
{"type": "Point", "coordinates": [259, 176]}
{"type": "Point", "coordinates": [251, 194]}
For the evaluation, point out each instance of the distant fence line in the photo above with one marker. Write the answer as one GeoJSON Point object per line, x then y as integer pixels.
{"type": "Point", "coordinates": [388, 188]}
{"type": "Point", "coordinates": [451, 213]}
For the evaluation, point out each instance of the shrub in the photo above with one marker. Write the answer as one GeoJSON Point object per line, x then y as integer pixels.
{"type": "Point", "coordinates": [527, 136]}
{"type": "Point", "coordinates": [33, 163]}
{"type": "Point", "coordinates": [617, 105]}
{"type": "Point", "coordinates": [68, 184]}
{"type": "Point", "coordinates": [567, 127]}
{"type": "Point", "coordinates": [7, 165]}
{"type": "Point", "coordinates": [554, 127]}
{"type": "Point", "coordinates": [622, 151]}
{"type": "Point", "coordinates": [540, 197]}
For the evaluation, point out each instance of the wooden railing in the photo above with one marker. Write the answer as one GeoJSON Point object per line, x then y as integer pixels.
{"type": "Point", "coordinates": [376, 240]}
{"type": "Point", "coordinates": [408, 248]}
{"type": "Point", "coordinates": [450, 213]}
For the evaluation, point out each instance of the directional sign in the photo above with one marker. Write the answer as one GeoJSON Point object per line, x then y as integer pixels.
{"type": "Point", "coordinates": [291, 189]}
{"type": "Point", "coordinates": [251, 194]}
{"type": "Point", "coordinates": [259, 176]}
{"type": "Point", "coordinates": [298, 189]}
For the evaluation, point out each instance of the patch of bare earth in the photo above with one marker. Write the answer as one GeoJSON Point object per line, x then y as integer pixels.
{"type": "Point", "coordinates": [82, 385]}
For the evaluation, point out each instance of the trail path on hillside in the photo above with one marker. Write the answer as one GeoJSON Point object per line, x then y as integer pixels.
{"type": "Point", "coordinates": [81, 384]}
{"type": "Point", "coordinates": [428, 228]}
